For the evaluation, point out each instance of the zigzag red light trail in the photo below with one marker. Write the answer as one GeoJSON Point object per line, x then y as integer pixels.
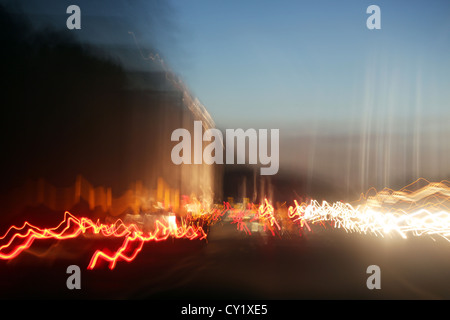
{"type": "Point", "coordinates": [161, 233]}
{"type": "Point", "coordinates": [73, 227]}
{"type": "Point", "coordinates": [421, 212]}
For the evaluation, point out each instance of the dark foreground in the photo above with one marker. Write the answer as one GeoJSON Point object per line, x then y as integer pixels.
{"type": "Point", "coordinates": [328, 264]}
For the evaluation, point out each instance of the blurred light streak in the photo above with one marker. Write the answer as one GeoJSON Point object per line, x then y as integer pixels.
{"type": "Point", "coordinates": [72, 227]}
{"type": "Point", "coordinates": [419, 209]}
{"type": "Point", "coordinates": [411, 210]}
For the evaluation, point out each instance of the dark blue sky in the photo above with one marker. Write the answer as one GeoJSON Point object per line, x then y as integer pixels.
{"type": "Point", "coordinates": [284, 63]}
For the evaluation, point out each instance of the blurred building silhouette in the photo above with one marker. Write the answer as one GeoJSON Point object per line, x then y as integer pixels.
{"type": "Point", "coordinates": [78, 127]}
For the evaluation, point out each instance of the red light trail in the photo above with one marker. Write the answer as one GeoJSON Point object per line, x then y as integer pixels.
{"type": "Point", "coordinates": [72, 227]}
{"type": "Point", "coordinates": [411, 210]}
